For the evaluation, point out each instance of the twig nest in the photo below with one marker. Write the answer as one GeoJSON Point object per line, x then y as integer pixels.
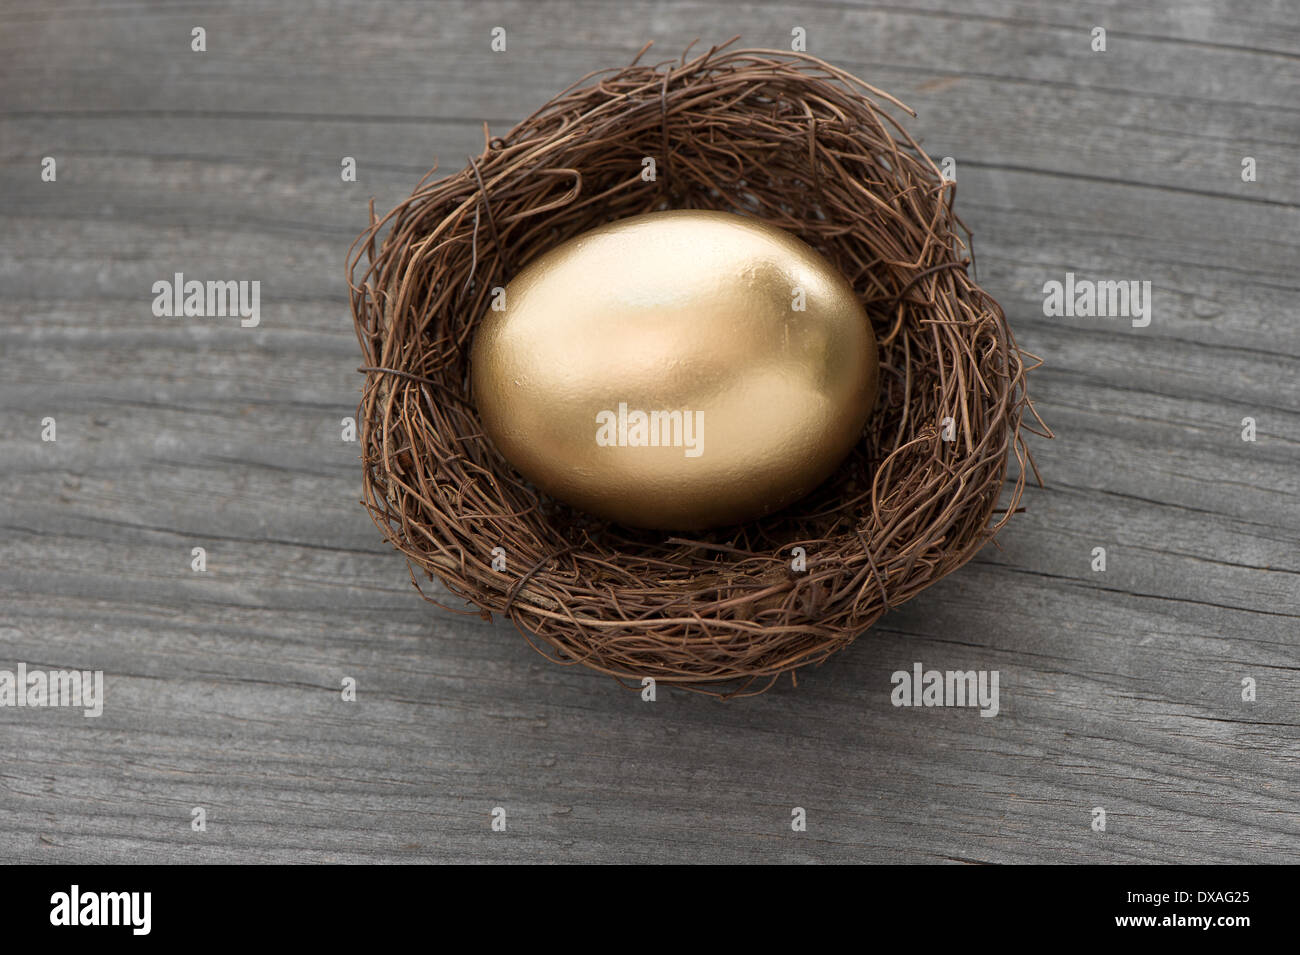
{"type": "Point", "coordinates": [782, 137]}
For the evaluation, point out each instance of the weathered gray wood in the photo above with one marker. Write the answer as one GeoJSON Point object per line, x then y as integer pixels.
{"type": "Point", "coordinates": [1118, 689]}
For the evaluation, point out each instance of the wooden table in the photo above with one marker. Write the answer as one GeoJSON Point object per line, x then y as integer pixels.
{"type": "Point", "coordinates": [1119, 689]}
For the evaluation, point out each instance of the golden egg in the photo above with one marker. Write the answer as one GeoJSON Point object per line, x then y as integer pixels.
{"type": "Point", "coordinates": [676, 370]}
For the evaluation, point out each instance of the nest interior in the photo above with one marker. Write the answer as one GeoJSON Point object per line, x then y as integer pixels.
{"type": "Point", "coordinates": [784, 137]}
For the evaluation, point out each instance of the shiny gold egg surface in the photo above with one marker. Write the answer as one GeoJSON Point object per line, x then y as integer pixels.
{"type": "Point", "coordinates": [676, 370]}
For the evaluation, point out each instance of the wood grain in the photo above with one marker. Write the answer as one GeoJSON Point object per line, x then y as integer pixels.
{"type": "Point", "coordinates": [1119, 690]}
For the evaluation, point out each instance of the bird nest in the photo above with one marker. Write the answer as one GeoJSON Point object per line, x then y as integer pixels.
{"type": "Point", "coordinates": [783, 137]}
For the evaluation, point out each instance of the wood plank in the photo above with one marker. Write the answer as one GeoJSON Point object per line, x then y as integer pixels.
{"type": "Point", "coordinates": [1119, 689]}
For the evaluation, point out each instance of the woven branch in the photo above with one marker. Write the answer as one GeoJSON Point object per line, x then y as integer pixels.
{"type": "Point", "coordinates": [789, 139]}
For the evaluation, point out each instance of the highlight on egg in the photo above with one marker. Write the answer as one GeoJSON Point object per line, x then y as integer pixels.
{"type": "Point", "coordinates": [676, 370]}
